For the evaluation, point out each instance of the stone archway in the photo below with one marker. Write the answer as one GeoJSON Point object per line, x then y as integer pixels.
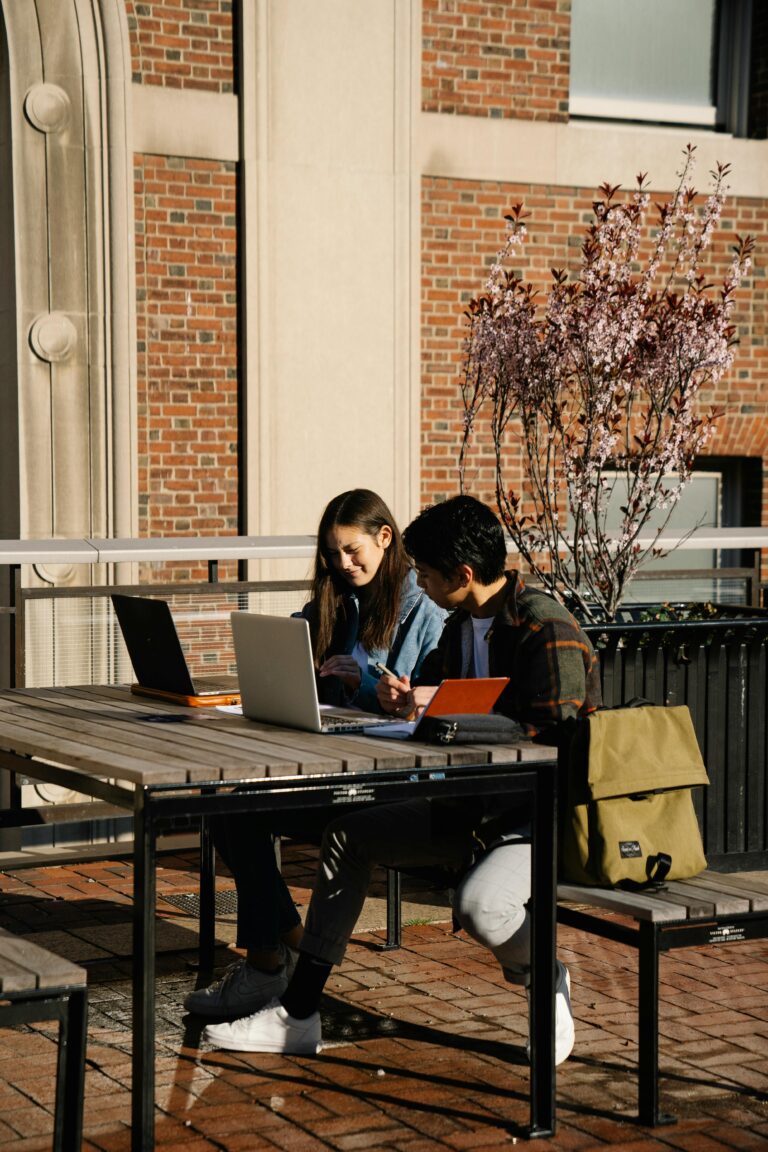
{"type": "Point", "coordinates": [67, 293]}
{"type": "Point", "coordinates": [67, 318]}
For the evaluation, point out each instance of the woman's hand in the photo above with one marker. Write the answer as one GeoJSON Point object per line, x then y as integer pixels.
{"type": "Point", "coordinates": [346, 668]}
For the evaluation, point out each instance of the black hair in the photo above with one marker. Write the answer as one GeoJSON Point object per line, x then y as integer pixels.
{"type": "Point", "coordinates": [461, 530]}
{"type": "Point", "coordinates": [363, 509]}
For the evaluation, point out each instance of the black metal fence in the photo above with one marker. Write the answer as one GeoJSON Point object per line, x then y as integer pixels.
{"type": "Point", "coordinates": [717, 667]}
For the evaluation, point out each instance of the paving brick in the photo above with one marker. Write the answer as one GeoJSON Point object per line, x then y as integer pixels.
{"type": "Point", "coordinates": [425, 1044]}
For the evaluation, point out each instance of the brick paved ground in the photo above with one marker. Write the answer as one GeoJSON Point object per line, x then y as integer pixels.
{"type": "Point", "coordinates": [423, 1044]}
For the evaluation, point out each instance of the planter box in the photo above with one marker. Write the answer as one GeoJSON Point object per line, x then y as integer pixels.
{"type": "Point", "coordinates": [719, 668]}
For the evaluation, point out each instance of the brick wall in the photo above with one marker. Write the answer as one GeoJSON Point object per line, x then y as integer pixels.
{"type": "Point", "coordinates": [503, 59]}
{"type": "Point", "coordinates": [186, 279]}
{"type": "Point", "coordinates": [480, 58]}
{"type": "Point", "coordinates": [182, 43]}
{"type": "Point", "coordinates": [187, 346]}
{"type": "Point", "coordinates": [463, 228]}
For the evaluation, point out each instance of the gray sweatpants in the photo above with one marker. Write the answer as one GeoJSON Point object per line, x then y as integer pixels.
{"type": "Point", "coordinates": [490, 901]}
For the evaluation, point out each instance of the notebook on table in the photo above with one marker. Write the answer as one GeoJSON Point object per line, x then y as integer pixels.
{"type": "Point", "coordinates": [470, 697]}
{"type": "Point", "coordinates": [277, 681]}
{"type": "Point", "coordinates": [158, 659]}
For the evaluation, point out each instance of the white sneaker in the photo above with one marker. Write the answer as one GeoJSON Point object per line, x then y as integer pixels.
{"type": "Point", "coordinates": [242, 989]}
{"type": "Point", "coordinates": [564, 1030]}
{"type": "Point", "coordinates": [270, 1030]}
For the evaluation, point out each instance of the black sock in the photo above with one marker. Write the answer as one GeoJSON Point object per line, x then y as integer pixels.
{"type": "Point", "coordinates": [302, 996]}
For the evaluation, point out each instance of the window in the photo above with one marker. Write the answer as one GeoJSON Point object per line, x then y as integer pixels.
{"type": "Point", "coordinates": [699, 504]}
{"type": "Point", "coordinates": [662, 61]}
{"type": "Point", "coordinates": [724, 491]}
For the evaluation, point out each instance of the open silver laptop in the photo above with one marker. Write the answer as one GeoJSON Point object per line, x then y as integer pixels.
{"type": "Point", "coordinates": [276, 674]}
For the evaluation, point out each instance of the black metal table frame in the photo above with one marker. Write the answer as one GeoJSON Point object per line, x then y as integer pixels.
{"type": "Point", "coordinates": [157, 807]}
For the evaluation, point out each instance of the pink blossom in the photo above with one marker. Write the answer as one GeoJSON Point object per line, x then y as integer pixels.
{"type": "Point", "coordinates": [600, 379]}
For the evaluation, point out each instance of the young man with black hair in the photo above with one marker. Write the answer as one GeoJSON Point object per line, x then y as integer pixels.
{"type": "Point", "coordinates": [498, 627]}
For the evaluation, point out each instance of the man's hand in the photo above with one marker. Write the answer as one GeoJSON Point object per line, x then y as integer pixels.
{"type": "Point", "coordinates": [346, 668]}
{"type": "Point", "coordinates": [421, 696]}
{"type": "Point", "coordinates": [395, 695]}
{"type": "Point", "coordinates": [398, 698]}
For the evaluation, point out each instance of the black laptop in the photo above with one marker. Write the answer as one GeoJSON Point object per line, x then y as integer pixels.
{"type": "Point", "coordinates": [157, 656]}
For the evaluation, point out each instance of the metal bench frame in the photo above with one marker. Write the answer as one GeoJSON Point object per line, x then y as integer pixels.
{"type": "Point", "coordinates": [66, 1002]}
{"type": "Point", "coordinates": [711, 909]}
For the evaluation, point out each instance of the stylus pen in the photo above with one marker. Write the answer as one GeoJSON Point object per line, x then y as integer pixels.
{"type": "Point", "coordinates": [388, 672]}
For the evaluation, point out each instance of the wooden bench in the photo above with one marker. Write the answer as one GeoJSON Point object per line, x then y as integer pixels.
{"type": "Point", "coordinates": [37, 985]}
{"type": "Point", "coordinates": [712, 908]}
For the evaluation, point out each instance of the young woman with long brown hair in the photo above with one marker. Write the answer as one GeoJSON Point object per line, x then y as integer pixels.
{"type": "Point", "coordinates": [365, 607]}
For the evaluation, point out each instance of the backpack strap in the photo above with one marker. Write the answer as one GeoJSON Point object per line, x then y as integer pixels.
{"type": "Point", "coordinates": [658, 867]}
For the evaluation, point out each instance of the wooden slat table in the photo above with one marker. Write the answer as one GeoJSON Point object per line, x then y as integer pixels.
{"type": "Point", "coordinates": [165, 764]}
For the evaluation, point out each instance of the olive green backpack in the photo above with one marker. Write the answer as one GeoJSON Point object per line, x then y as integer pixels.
{"type": "Point", "coordinates": [626, 809]}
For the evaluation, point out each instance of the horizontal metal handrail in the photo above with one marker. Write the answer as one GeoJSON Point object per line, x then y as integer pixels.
{"type": "Point", "coordinates": [89, 551]}
{"type": "Point", "coordinates": [113, 551]}
{"type": "Point", "coordinates": [187, 588]}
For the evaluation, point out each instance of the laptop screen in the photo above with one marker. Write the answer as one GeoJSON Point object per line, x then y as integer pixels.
{"type": "Point", "coordinates": [276, 670]}
{"type": "Point", "coordinates": [153, 644]}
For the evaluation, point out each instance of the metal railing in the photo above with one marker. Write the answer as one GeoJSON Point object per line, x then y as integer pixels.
{"type": "Point", "coordinates": [112, 556]}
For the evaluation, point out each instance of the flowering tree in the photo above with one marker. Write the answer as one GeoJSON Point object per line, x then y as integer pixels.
{"type": "Point", "coordinates": [601, 385]}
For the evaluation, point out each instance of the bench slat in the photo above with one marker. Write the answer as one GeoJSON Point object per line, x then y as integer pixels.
{"type": "Point", "coordinates": [754, 887]}
{"type": "Point", "coordinates": [706, 895]}
{"type": "Point", "coordinates": [723, 903]}
{"type": "Point", "coordinates": [699, 904]}
{"type": "Point", "coordinates": [14, 977]}
{"type": "Point", "coordinates": [633, 904]}
{"type": "Point", "coordinates": [24, 966]}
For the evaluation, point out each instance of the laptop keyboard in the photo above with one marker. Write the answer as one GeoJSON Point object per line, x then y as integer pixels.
{"type": "Point", "coordinates": [341, 724]}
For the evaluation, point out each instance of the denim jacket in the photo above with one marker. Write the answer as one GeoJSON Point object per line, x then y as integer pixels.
{"type": "Point", "coordinates": [419, 628]}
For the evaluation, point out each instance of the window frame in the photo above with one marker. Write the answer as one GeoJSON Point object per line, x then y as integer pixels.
{"type": "Point", "coordinates": [731, 84]}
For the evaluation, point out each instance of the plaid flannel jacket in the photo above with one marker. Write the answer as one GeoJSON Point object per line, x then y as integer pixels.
{"type": "Point", "coordinates": [553, 669]}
